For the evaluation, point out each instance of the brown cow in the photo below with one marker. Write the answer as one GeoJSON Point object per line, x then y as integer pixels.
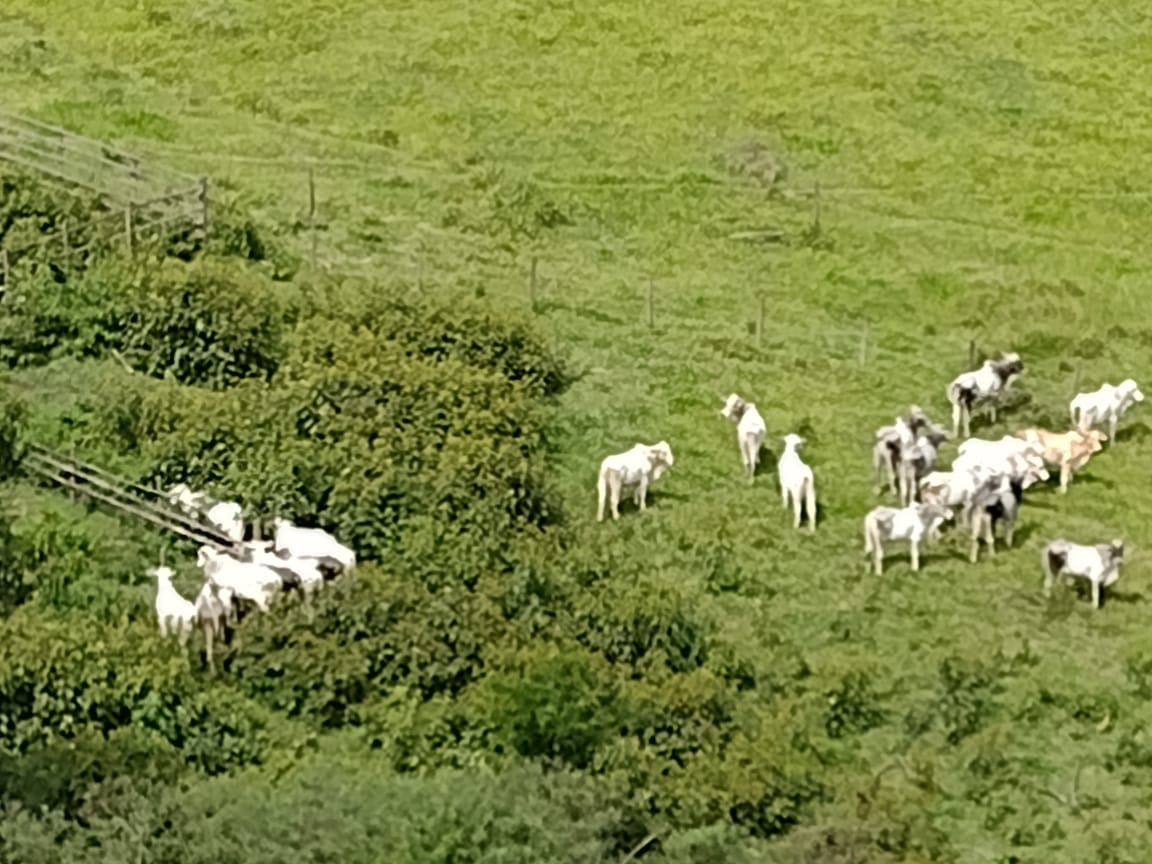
{"type": "Point", "coordinates": [1069, 450]}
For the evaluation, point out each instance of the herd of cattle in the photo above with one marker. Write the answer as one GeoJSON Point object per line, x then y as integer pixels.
{"type": "Point", "coordinates": [256, 571]}
{"type": "Point", "coordinates": [983, 489]}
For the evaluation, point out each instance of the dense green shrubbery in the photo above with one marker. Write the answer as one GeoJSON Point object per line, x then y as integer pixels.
{"type": "Point", "coordinates": [208, 323]}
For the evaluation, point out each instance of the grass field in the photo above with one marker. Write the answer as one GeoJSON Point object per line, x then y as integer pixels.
{"type": "Point", "coordinates": [981, 176]}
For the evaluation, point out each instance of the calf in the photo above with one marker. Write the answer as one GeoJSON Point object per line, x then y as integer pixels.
{"type": "Point", "coordinates": [1108, 403]}
{"type": "Point", "coordinates": [750, 431]}
{"type": "Point", "coordinates": [892, 441]}
{"type": "Point", "coordinates": [1068, 450]}
{"type": "Point", "coordinates": [986, 384]}
{"type": "Point", "coordinates": [919, 460]}
{"type": "Point", "coordinates": [634, 469]}
{"type": "Point", "coordinates": [917, 523]}
{"type": "Point", "coordinates": [797, 481]}
{"type": "Point", "coordinates": [1099, 564]}
{"type": "Point", "coordinates": [995, 501]}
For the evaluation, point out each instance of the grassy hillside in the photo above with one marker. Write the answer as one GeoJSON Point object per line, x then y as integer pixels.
{"type": "Point", "coordinates": [981, 177]}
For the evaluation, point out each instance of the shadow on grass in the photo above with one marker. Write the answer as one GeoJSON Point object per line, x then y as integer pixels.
{"type": "Point", "coordinates": [1134, 432]}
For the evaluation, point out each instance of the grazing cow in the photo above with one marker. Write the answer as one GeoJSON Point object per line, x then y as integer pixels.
{"type": "Point", "coordinates": [797, 481]}
{"type": "Point", "coordinates": [1099, 564]}
{"type": "Point", "coordinates": [892, 441]}
{"type": "Point", "coordinates": [1070, 451]}
{"type": "Point", "coordinates": [311, 543]}
{"type": "Point", "coordinates": [1108, 403]}
{"type": "Point", "coordinates": [919, 460]}
{"type": "Point", "coordinates": [634, 469]}
{"type": "Point", "coordinates": [996, 501]}
{"type": "Point", "coordinates": [298, 573]}
{"type": "Point", "coordinates": [750, 431]}
{"type": "Point", "coordinates": [187, 501]}
{"type": "Point", "coordinates": [984, 385]}
{"type": "Point", "coordinates": [917, 523]}
{"type": "Point", "coordinates": [213, 606]}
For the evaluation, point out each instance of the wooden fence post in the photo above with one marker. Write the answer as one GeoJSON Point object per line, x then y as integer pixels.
{"type": "Point", "coordinates": [204, 206]}
{"type": "Point", "coordinates": [128, 232]}
{"type": "Point", "coordinates": [312, 210]}
{"type": "Point", "coordinates": [532, 285]}
{"type": "Point", "coordinates": [651, 305]}
{"type": "Point", "coordinates": [864, 344]}
{"type": "Point", "coordinates": [760, 323]}
{"type": "Point", "coordinates": [971, 353]}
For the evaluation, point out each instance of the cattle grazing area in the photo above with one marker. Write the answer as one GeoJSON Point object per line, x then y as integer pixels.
{"type": "Point", "coordinates": [656, 433]}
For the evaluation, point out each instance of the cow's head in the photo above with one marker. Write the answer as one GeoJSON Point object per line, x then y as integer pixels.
{"type": "Point", "coordinates": [734, 407]}
{"type": "Point", "coordinates": [1128, 390]}
{"type": "Point", "coordinates": [1116, 553]}
{"type": "Point", "coordinates": [206, 555]}
{"type": "Point", "coordinates": [1094, 440]}
{"type": "Point", "coordinates": [935, 515]}
{"type": "Point", "coordinates": [792, 441]}
{"type": "Point", "coordinates": [1009, 365]}
{"type": "Point", "coordinates": [660, 458]}
{"type": "Point", "coordinates": [164, 574]}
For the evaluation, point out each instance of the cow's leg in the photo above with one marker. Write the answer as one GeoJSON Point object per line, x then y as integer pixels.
{"type": "Point", "coordinates": [878, 551]}
{"type": "Point", "coordinates": [1095, 594]}
{"type": "Point", "coordinates": [163, 627]}
{"type": "Point", "coordinates": [914, 546]}
{"type": "Point", "coordinates": [797, 506]}
{"type": "Point", "coordinates": [783, 494]}
{"type": "Point", "coordinates": [1065, 476]}
{"type": "Point", "coordinates": [974, 551]}
{"type": "Point", "coordinates": [810, 505]}
{"type": "Point", "coordinates": [642, 492]}
{"type": "Point", "coordinates": [1009, 530]}
{"type": "Point", "coordinates": [990, 533]}
{"type": "Point", "coordinates": [1113, 419]}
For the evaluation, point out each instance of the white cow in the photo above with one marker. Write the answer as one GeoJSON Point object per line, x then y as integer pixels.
{"type": "Point", "coordinates": [173, 613]}
{"type": "Point", "coordinates": [245, 579]}
{"type": "Point", "coordinates": [750, 431]}
{"type": "Point", "coordinates": [304, 571]}
{"type": "Point", "coordinates": [919, 460]}
{"type": "Point", "coordinates": [1108, 403]}
{"type": "Point", "coordinates": [227, 518]}
{"type": "Point", "coordinates": [1009, 455]}
{"type": "Point", "coordinates": [986, 384]}
{"type": "Point", "coordinates": [634, 469]}
{"type": "Point", "coordinates": [797, 481]}
{"type": "Point", "coordinates": [916, 524]}
{"type": "Point", "coordinates": [312, 543]}
{"type": "Point", "coordinates": [1099, 564]}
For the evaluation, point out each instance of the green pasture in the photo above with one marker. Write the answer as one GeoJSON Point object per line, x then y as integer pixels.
{"type": "Point", "coordinates": [914, 177]}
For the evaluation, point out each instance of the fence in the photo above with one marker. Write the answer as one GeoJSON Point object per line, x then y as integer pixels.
{"type": "Point", "coordinates": [122, 496]}
{"type": "Point", "coordinates": [140, 200]}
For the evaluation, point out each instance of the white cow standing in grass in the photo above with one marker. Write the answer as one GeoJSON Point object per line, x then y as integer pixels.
{"type": "Point", "coordinates": [174, 613]}
{"type": "Point", "coordinates": [750, 431]}
{"type": "Point", "coordinates": [1099, 564]}
{"type": "Point", "coordinates": [1108, 403]}
{"type": "Point", "coordinates": [984, 385]}
{"type": "Point", "coordinates": [917, 524]}
{"type": "Point", "coordinates": [634, 469]}
{"type": "Point", "coordinates": [797, 481]}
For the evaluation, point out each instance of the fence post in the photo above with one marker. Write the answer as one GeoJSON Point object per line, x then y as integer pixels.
{"type": "Point", "coordinates": [532, 285]}
{"type": "Point", "coordinates": [651, 305]}
{"type": "Point", "coordinates": [312, 210]}
{"type": "Point", "coordinates": [204, 206]}
{"type": "Point", "coordinates": [128, 227]}
{"type": "Point", "coordinates": [971, 353]}
{"type": "Point", "coordinates": [864, 344]}
{"type": "Point", "coordinates": [7, 269]}
{"type": "Point", "coordinates": [760, 323]}
{"type": "Point", "coordinates": [64, 237]}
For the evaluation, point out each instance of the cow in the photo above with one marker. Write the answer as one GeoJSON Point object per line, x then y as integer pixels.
{"type": "Point", "coordinates": [892, 441]}
{"type": "Point", "coordinates": [634, 469]}
{"type": "Point", "coordinates": [797, 481]}
{"type": "Point", "coordinates": [917, 523]}
{"type": "Point", "coordinates": [1108, 403]}
{"type": "Point", "coordinates": [750, 431]}
{"type": "Point", "coordinates": [984, 385]}
{"type": "Point", "coordinates": [1069, 451]}
{"type": "Point", "coordinates": [919, 460]}
{"type": "Point", "coordinates": [1099, 564]}
{"type": "Point", "coordinates": [995, 501]}
{"type": "Point", "coordinates": [1009, 456]}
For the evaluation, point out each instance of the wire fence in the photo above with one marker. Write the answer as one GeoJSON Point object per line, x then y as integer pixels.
{"type": "Point", "coordinates": [136, 200]}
